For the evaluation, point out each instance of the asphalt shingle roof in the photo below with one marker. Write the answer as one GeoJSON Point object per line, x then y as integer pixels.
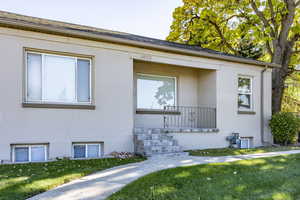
{"type": "Point", "coordinates": [38, 24]}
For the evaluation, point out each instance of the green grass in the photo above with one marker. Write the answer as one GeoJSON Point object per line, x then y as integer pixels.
{"type": "Point", "coordinates": [20, 181]}
{"type": "Point", "coordinates": [276, 178]}
{"type": "Point", "coordinates": [233, 151]}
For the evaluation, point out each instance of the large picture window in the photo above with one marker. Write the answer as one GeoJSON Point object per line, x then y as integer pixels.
{"type": "Point", "coordinates": [245, 93]}
{"type": "Point", "coordinates": [155, 92]}
{"type": "Point", "coordinates": [57, 79]}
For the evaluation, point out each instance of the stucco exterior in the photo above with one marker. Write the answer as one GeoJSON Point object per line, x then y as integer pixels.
{"type": "Point", "coordinates": [228, 119]}
{"type": "Point", "coordinates": [113, 119]}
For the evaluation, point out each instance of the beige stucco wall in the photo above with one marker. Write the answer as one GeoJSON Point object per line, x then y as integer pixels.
{"type": "Point", "coordinates": [228, 119]}
{"type": "Point", "coordinates": [113, 120]}
{"type": "Point", "coordinates": [207, 88]}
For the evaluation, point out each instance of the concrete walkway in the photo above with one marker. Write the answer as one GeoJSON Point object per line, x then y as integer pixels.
{"type": "Point", "coordinates": [104, 183]}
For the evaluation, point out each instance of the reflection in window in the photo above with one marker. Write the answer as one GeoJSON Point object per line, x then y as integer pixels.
{"type": "Point", "coordinates": [29, 153]}
{"type": "Point", "coordinates": [244, 93]}
{"type": "Point", "coordinates": [21, 154]}
{"type": "Point", "coordinates": [82, 150]}
{"type": "Point", "coordinates": [57, 79]}
{"type": "Point", "coordinates": [155, 92]}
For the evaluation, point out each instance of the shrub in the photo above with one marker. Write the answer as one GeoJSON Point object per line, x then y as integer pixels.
{"type": "Point", "coordinates": [284, 127]}
{"type": "Point", "coordinates": [122, 155]}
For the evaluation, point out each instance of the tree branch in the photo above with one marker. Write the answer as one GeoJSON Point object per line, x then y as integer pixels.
{"type": "Point", "coordinates": [287, 21]}
{"type": "Point", "coordinates": [296, 52]}
{"type": "Point", "coordinates": [298, 3]}
{"type": "Point", "coordinates": [295, 38]}
{"type": "Point", "coordinates": [271, 9]}
{"type": "Point", "coordinates": [262, 18]}
{"type": "Point", "coordinates": [269, 49]}
{"type": "Point", "coordinates": [219, 31]}
{"type": "Point", "coordinates": [190, 22]}
{"type": "Point", "coordinates": [273, 15]}
{"type": "Point", "coordinates": [229, 18]}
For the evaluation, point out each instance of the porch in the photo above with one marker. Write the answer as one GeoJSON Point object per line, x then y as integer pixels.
{"type": "Point", "coordinates": [174, 98]}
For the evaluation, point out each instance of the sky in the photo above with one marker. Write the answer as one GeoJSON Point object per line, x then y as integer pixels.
{"type": "Point", "coordinates": [150, 18]}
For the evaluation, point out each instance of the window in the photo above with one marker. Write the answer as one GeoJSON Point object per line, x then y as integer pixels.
{"type": "Point", "coordinates": [29, 153]}
{"type": "Point", "coordinates": [57, 79]}
{"type": "Point", "coordinates": [81, 150]}
{"type": "Point", "coordinates": [155, 92]}
{"type": "Point", "coordinates": [244, 93]}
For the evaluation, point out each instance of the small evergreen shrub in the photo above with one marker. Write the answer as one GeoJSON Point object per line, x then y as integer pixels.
{"type": "Point", "coordinates": [284, 127]}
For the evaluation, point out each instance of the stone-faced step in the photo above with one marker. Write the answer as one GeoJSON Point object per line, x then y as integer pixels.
{"type": "Point", "coordinates": [169, 155]}
{"type": "Point", "coordinates": [161, 136]}
{"type": "Point", "coordinates": [146, 143]}
{"type": "Point", "coordinates": [143, 137]}
{"type": "Point", "coordinates": [156, 131]}
{"type": "Point", "coordinates": [150, 142]}
{"type": "Point", "coordinates": [156, 136]}
{"type": "Point", "coordinates": [156, 149]}
{"type": "Point", "coordinates": [165, 136]}
{"type": "Point", "coordinates": [147, 130]}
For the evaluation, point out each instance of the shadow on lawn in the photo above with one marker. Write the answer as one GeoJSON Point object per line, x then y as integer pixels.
{"type": "Point", "coordinates": [275, 178]}
{"type": "Point", "coordinates": [22, 181]}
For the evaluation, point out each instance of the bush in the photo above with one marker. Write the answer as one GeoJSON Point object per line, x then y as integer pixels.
{"type": "Point", "coordinates": [284, 127]}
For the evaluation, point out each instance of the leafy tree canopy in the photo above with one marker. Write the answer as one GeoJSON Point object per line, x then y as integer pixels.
{"type": "Point", "coordinates": [268, 30]}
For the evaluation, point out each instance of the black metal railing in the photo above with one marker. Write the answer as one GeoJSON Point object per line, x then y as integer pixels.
{"type": "Point", "coordinates": [189, 117]}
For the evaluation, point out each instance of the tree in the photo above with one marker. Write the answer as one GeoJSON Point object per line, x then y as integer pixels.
{"type": "Point", "coordinates": [225, 25]}
{"type": "Point", "coordinates": [247, 48]}
{"type": "Point", "coordinates": [291, 94]}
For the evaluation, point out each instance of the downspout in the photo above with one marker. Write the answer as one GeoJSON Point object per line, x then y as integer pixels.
{"type": "Point", "coordinates": [262, 121]}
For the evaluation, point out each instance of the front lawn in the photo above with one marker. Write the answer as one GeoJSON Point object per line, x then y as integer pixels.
{"type": "Point", "coordinates": [20, 181]}
{"type": "Point", "coordinates": [276, 178]}
{"type": "Point", "coordinates": [234, 151]}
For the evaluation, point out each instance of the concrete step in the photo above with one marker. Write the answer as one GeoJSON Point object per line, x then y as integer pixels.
{"type": "Point", "coordinates": [155, 136]}
{"type": "Point", "coordinates": [161, 149]}
{"type": "Point", "coordinates": [169, 154]}
{"type": "Point", "coordinates": [151, 142]}
{"type": "Point", "coordinates": [148, 130]}
{"type": "Point", "coordinates": [159, 142]}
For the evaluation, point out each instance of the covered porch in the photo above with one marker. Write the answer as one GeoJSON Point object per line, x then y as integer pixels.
{"type": "Point", "coordinates": [174, 98]}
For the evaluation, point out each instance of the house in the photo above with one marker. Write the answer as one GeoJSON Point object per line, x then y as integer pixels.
{"type": "Point", "coordinates": [82, 92]}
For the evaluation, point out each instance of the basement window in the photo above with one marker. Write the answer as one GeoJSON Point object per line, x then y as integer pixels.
{"type": "Point", "coordinates": [29, 153]}
{"type": "Point", "coordinates": [90, 150]}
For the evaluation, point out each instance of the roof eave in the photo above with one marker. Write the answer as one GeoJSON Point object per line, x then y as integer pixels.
{"type": "Point", "coordinates": [104, 38]}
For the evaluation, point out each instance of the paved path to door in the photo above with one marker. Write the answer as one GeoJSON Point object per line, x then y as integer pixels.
{"type": "Point", "coordinates": [100, 185]}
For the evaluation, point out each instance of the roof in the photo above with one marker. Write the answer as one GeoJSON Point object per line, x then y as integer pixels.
{"type": "Point", "coordinates": [12, 20]}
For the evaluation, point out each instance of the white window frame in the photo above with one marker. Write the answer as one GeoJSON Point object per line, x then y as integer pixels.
{"type": "Point", "coordinates": [248, 143]}
{"type": "Point", "coordinates": [29, 146]}
{"type": "Point", "coordinates": [154, 75]}
{"type": "Point", "coordinates": [43, 101]}
{"type": "Point", "coordinates": [86, 149]}
{"type": "Point", "coordinates": [246, 93]}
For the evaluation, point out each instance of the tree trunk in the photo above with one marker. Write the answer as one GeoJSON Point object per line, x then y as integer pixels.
{"type": "Point", "coordinates": [278, 89]}
{"type": "Point", "coordinates": [279, 75]}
